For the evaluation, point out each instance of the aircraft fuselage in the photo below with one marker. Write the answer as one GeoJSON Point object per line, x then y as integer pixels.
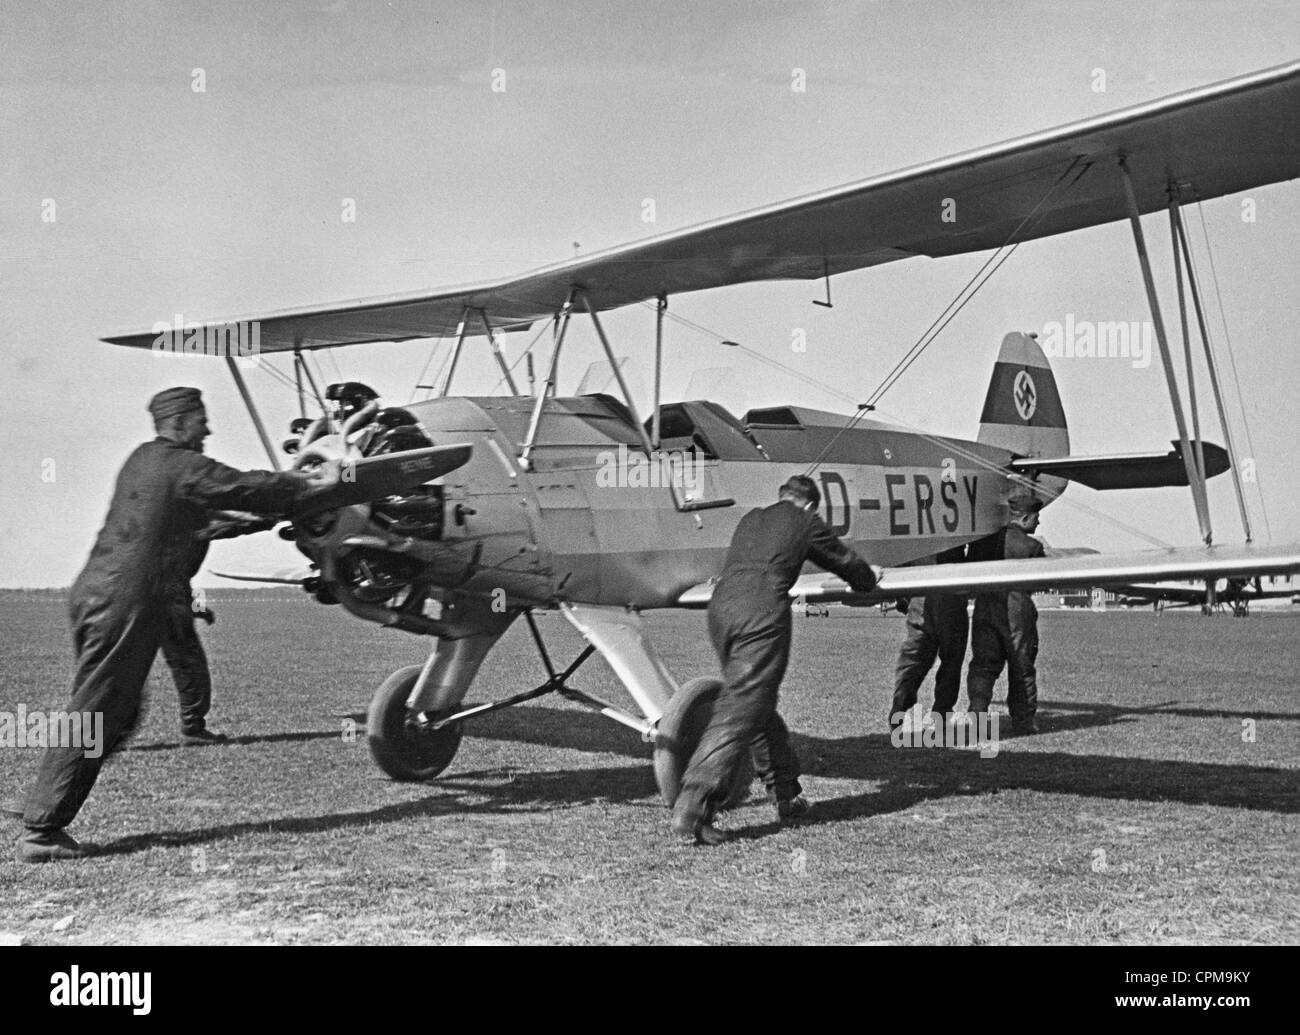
{"type": "Point", "coordinates": [594, 520]}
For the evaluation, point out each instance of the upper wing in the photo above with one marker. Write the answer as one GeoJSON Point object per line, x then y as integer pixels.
{"type": "Point", "coordinates": [1038, 573]}
{"type": "Point", "coordinates": [1216, 140]}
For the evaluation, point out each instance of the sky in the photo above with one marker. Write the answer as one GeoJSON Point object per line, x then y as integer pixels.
{"type": "Point", "coordinates": [196, 158]}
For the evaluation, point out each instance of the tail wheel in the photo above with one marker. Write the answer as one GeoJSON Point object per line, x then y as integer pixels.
{"type": "Point", "coordinates": [398, 746]}
{"type": "Point", "coordinates": [683, 723]}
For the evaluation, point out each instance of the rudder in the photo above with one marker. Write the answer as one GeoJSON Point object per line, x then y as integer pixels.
{"type": "Point", "coordinates": [1022, 410]}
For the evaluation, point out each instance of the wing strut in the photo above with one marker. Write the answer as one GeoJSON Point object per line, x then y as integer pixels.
{"type": "Point", "coordinates": [561, 327]}
{"type": "Point", "coordinates": [684, 506]}
{"type": "Point", "coordinates": [649, 439]}
{"type": "Point", "coordinates": [455, 353]}
{"type": "Point", "coordinates": [496, 351]}
{"type": "Point", "coordinates": [618, 375]}
{"type": "Point", "coordinates": [252, 412]}
{"type": "Point", "coordinates": [1212, 367]}
{"type": "Point", "coordinates": [298, 385]}
{"type": "Point", "coordinates": [1197, 444]}
{"type": "Point", "coordinates": [1194, 477]}
{"type": "Point", "coordinates": [300, 363]}
{"type": "Point", "coordinates": [661, 307]}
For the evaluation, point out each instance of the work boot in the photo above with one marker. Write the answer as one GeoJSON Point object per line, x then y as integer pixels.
{"type": "Point", "coordinates": [43, 846]}
{"type": "Point", "coordinates": [699, 832]}
{"type": "Point", "coordinates": [697, 827]}
{"type": "Point", "coordinates": [791, 810]}
{"type": "Point", "coordinates": [1024, 727]}
{"type": "Point", "coordinates": [202, 738]}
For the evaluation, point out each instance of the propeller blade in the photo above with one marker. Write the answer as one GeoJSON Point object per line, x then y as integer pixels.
{"type": "Point", "coordinates": [272, 579]}
{"type": "Point", "coordinates": [375, 477]}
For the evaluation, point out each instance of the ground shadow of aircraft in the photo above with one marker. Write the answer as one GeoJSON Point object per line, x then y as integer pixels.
{"type": "Point", "coordinates": [505, 791]}
{"type": "Point", "coordinates": [269, 738]}
{"type": "Point", "coordinates": [903, 779]}
{"type": "Point", "coordinates": [1100, 710]}
{"type": "Point", "coordinates": [908, 777]}
{"type": "Point", "coordinates": [911, 775]}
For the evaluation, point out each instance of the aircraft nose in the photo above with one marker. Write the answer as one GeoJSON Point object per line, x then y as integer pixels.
{"type": "Point", "coordinates": [390, 474]}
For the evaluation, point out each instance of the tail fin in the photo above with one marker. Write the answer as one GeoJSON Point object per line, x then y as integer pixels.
{"type": "Point", "coordinates": [1022, 411]}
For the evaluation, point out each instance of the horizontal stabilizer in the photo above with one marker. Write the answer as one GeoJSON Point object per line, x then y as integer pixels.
{"type": "Point", "coordinates": [1125, 470]}
{"type": "Point", "coordinates": [1040, 573]}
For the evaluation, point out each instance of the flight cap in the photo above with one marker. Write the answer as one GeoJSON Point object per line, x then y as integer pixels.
{"type": "Point", "coordinates": [173, 401]}
{"type": "Point", "coordinates": [1024, 503]}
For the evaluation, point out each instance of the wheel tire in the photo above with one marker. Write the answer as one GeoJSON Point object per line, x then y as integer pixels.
{"type": "Point", "coordinates": [399, 751]}
{"type": "Point", "coordinates": [683, 723]}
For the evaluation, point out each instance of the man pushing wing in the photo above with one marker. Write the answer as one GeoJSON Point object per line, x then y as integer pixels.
{"type": "Point", "coordinates": [750, 625]}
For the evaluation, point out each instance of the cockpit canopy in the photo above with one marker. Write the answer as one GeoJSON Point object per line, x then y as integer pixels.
{"type": "Point", "coordinates": [708, 429]}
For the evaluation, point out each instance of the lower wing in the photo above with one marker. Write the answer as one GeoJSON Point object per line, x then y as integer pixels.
{"type": "Point", "coordinates": [1039, 573]}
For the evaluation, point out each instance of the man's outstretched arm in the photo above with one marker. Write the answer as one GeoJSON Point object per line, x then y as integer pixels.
{"type": "Point", "coordinates": [827, 550]}
{"type": "Point", "coordinates": [215, 486]}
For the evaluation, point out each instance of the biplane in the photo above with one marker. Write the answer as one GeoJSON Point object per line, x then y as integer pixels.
{"type": "Point", "coordinates": [461, 515]}
{"type": "Point", "coordinates": [1211, 596]}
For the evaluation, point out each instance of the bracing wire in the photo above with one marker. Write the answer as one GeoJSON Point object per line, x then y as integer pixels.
{"type": "Point", "coordinates": [520, 358]}
{"type": "Point", "coordinates": [278, 376]}
{"type": "Point", "coordinates": [969, 290]}
{"type": "Point", "coordinates": [975, 459]}
{"type": "Point", "coordinates": [338, 372]}
{"type": "Point", "coordinates": [1018, 479]}
{"type": "Point", "coordinates": [433, 351]}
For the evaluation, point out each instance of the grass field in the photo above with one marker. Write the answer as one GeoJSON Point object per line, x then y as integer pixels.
{"type": "Point", "coordinates": [1144, 812]}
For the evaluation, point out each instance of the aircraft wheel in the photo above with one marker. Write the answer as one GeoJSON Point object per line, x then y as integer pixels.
{"type": "Point", "coordinates": [680, 729]}
{"type": "Point", "coordinates": [400, 751]}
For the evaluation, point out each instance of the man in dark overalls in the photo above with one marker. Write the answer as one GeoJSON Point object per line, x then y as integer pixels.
{"type": "Point", "coordinates": [1004, 629]}
{"type": "Point", "coordinates": [750, 625]}
{"type": "Point", "coordinates": [120, 604]}
{"type": "Point", "coordinates": [937, 626]}
{"type": "Point", "coordinates": [181, 647]}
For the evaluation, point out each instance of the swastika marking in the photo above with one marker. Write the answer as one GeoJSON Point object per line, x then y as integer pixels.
{"type": "Point", "coordinates": [1025, 395]}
